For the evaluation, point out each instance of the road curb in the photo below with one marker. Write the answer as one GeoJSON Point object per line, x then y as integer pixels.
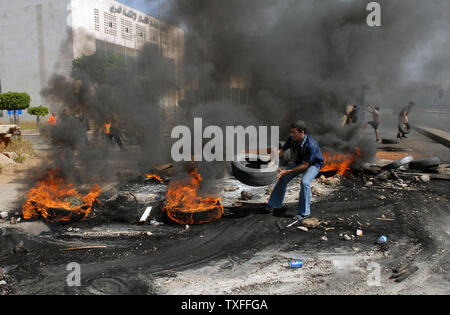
{"type": "Point", "coordinates": [437, 135]}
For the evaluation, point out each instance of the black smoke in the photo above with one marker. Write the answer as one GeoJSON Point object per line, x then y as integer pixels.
{"type": "Point", "coordinates": [309, 59]}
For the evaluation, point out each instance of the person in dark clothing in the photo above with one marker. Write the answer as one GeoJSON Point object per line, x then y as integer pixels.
{"type": "Point", "coordinates": [113, 135]}
{"type": "Point", "coordinates": [351, 115]}
{"type": "Point", "coordinates": [354, 114]}
{"type": "Point", "coordinates": [375, 122]}
{"type": "Point", "coordinates": [65, 130]}
{"type": "Point", "coordinates": [116, 137]}
{"type": "Point", "coordinates": [309, 161]}
{"type": "Point", "coordinates": [403, 121]}
{"type": "Point", "coordinates": [83, 124]}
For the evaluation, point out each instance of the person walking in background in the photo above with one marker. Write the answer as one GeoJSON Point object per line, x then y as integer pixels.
{"type": "Point", "coordinates": [116, 136]}
{"type": "Point", "coordinates": [375, 122]}
{"type": "Point", "coordinates": [107, 131]}
{"type": "Point", "coordinates": [52, 122]}
{"type": "Point", "coordinates": [403, 123]}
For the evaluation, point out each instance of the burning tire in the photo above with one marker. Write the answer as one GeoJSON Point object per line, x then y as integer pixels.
{"type": "Point", "coordinates": [185, 205]}
{"type": "Point", "coordinates": [398, 163]}
{"type": "Point", "coordinates": [254, 170]}
{"type": "Point", "coordinates": [197, 217]}
{"type": "Point", "coordinates": [425, 163]}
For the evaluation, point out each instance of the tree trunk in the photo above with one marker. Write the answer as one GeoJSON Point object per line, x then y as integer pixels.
{"type": "Point", "coordinates": [15, 118]}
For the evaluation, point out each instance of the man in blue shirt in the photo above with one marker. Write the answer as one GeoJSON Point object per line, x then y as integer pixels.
{"type": "Point", "coordinates": [309, 160]}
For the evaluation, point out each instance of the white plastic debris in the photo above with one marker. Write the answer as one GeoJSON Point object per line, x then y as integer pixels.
{"type": "Point", "coordinates": [145, 215]}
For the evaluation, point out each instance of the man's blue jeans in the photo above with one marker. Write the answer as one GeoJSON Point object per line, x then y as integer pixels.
{"type": "Point", "coordinates": [277, 197]}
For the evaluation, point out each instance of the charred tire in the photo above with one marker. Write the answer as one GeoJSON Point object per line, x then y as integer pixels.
{"type": "Point", "coordinates": [390, 141]}
{"type": "Point", "coordinates": [197, 217]}
{"type": "Point", "coordinates": [398, 163]}
{"type": "Point", "coordinates": [425, 163]}
{"type": "Point", "coordinates": [250, 174]}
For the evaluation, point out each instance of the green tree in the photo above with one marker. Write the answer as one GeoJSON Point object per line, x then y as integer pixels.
{"type": "Point", "coordinates": [38, 111]}
{"type": "Point", "coordinates": [14, 101]}
{"type": "Point", "coordinates": [97, 67]}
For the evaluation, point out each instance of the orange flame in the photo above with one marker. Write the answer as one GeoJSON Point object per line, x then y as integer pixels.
{"type": "Point", "coordinates": [48, 199]}
{"type": "Point", "coordinates": [340, 162]}
{"type": "Point", "coordinates": [183, 202]}
{"type": "Point", "coordinates": [154, 176]}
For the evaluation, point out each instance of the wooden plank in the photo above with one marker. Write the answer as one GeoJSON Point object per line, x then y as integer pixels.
{"type": "Point", "coordinates": [84, 247]}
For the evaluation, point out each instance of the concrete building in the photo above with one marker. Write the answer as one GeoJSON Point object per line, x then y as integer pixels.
{"type": "Point", "coordinates": [39, 38]}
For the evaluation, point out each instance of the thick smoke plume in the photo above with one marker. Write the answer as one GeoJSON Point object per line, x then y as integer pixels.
{"type": "Point", "coordinates": [296, 59]}
{"type": "Point", "coordinates": [310, 59]}
{"type": "Point", "coordinates": [105, 89]}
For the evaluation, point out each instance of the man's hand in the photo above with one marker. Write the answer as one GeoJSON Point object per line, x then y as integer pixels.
{"type": "Point", "coordinates": [282, 173]}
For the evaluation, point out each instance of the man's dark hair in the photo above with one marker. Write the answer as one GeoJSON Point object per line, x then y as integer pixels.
{"type": "Point", "coordinates": [300, 125]}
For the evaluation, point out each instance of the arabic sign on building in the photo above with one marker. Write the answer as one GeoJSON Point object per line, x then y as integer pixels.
{"type": "Point", "coordinates": [133, 15]}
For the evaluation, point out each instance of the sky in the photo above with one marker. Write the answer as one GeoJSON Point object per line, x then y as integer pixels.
{"type": "Point", "coordinates": [147, 6]}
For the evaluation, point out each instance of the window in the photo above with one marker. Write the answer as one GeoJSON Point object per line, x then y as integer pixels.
{"type": "Point", "coordinates": [127, 29]}
{"type": "Point", "coordinates": [97, 19]}
{"type": "Point", "coordinates": [110, 23]}
{"type": "Point", "coordinates": [141, 33]}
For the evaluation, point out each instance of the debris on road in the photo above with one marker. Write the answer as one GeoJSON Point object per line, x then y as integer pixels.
{"type": "Point", "coordinates": [311, 223]}
{"type": "Point", "coordinates": [155, 223]}
{"type": "Point", "coordinates": [163, 167]}
{"type": "Point", "coordinates": [84, 247]}
{"type": "Point", "coordinates": [296, 264]}
{"type": "Point", "coordinates": [292, 224]}
{"type": "Point", "coordinates": [403, 272]}
{"type": "Point", "coordinates": [385, 219]}
{"type": "Point", "coordinates": [382, 239]}
{"type": "Point", "coordinates": [425, 178]}
{"type": "Point", "coordinates": [315, 191]}
{"type": "Point", "coordinates": [346, 237]}
{"type": "Point", "coordinates": [230, 188]}
{"type": "Point", "coordinates": [145, 215]}
{"type": "Point", "coordinates": [20, 248]}
{"type": "Point", "coordinates": [302, 228]}
{"type": "Point", "coordinates": [330, 181]}
{"type": "Point", "coordinates": [245, 195]}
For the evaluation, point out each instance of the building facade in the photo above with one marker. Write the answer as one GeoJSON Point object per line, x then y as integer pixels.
{"type": "Point", "coordinates": [40, 38]}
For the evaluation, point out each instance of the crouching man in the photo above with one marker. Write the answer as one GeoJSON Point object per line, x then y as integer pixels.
{"type": "Point", "coordinates": [309, 161]}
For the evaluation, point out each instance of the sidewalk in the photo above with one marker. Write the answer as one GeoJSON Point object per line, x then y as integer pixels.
{"type": "Point", "coordinates": [417, 144]}
{"type": "Point", "coordinates": [437, 135]}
